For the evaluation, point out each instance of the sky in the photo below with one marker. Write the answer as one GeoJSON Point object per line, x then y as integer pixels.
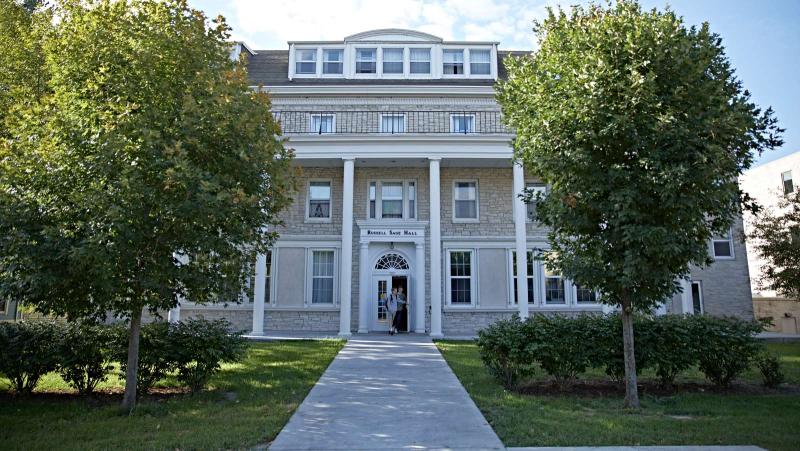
{"type": "Point", "coordinates": [762, 38]}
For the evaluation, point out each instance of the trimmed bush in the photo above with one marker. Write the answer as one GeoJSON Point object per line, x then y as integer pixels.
{"type": "Point", "coordinates": [770, 368]}
{"type": "Point", "coordinates": [561, 345]}
{"type": "Point", "coordinates": [726, 347]}
{"type": "Point", "coordinates": [85, 354]}
{"type": "Point", "coordinates": [156, 357]}
{"type": "Point", "coordinates": [28, 350]}
{"type": "Point", "coordinates": [608, 344]}
{"type": "Point", "coordinates": [199, 348]}
{"type": "Point", "coordinates": [502, 347]}
{"type": "Point", "coordinates": [671, 346]}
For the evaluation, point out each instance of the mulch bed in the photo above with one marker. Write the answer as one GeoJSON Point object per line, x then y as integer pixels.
{"type": "Point", "coordinates": [602, 388]}
{"type": "Point", "coordinates": [98, 397]}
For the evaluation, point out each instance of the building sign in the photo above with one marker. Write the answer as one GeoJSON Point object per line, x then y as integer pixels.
{"type": "Point", "coordinates": [392, 233]}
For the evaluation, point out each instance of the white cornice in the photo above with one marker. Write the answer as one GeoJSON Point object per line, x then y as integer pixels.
{"type": "Point", "coordinates": [454, 138]}
{"type": "Point", "coordinates": [281, 102]}
{"type": "Point", "coordinates": [378, 90]}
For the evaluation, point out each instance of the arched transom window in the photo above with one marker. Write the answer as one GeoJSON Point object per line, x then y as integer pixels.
{"type": "Point", "coordinates": [391, 261]}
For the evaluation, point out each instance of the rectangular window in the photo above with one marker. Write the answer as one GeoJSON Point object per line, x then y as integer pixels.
{"type": "Point", "coordinates": [319, 200]}
{"type": "Point", "coordinates": [531, 277]}
{"type": "Point", "coordinates": [480, 62]}
{"type": "Point", "coordinates": [392, 200]}
{"type": "Point", "coordinates": [322, 123]}
{"type": "Point", "coordinates": [322, 277]}
{"type": "Point", "coordinates": [366, 61]}
{"type": "Point", "coordinates": [453, 62]}
{"type": "Point", "coordinates": [460, 277]}
{"type": "Point", "coordinates": [268, 277]}
{"type": "Point", "coordinates": [723, 245]}
{"type": "Point", "coordinates": [534, 189]}
{"type": "Point", "coordinates": [554, 292]}
{"type": "Point", "coordinates": [332, 61]}
{"type": "Point", "coordinates": [393, 123]}
{"type": "Point", "coordinates": [462, 123]}
{"type": "Point", "coordinates": [392, 61]}
{"type": "Point", "coordinates": [465, 200]}
{"type": "Point", "coordinates": [372, 200]}
{"type": "Point", "coordinates": [412, 200]}
{"type": "Point", "coordinates": [306, 61]}
{"type": "Point", "coordinates": [788, 185]}
{"type": "Point", "coordinates": [585, 295]}
{"type": "Point", "coordinates": [697, 298]}
{"type": "Point", "coordinates": [420, 61]}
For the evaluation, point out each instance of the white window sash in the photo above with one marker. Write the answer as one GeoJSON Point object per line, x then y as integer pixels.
{"type": "Point", "coordinates": [472, 278]}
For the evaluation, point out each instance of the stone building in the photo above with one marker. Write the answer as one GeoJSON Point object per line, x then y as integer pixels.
{"type": "Point", "coordinates": [408, 181]}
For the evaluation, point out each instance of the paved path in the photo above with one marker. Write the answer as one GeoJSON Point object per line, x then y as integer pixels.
{"type": "Point", "coordinates": [384, 393]}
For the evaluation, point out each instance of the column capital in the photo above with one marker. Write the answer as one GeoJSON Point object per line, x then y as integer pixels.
{"type": "Point", "coordinates": [419, 244]}
{"type": "Point", "coordinates": [348, 159]}
{"type": "Point", "coordinates": [435, 158]}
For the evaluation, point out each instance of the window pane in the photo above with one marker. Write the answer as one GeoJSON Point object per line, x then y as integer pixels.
{"type": "Point", "coordinates": [453, 62]}
{"type": "Point", "coordinates": [372, 200]}
{"type": "Point", "coordinates": [320, 190]}
{"type": "Point", "coordinates": [322, 291]}
{"type": "Point", "coordinates": [412, 200]}
{"type": "Point", "coordinates": [466, 209]}
{"type": "Point", "coordinates": [420, 61]}
{"type": "Point", "coordinates": [697, 300]}
{"type": "Point", "coordinates": [460, 264]}
{"type": "Point", "coordinates": [788, 184]}
{"type": "Point", "coordinates": [366, 61]}
{"type": "Point", "coordinates": [392, 200]}
{"type": "Point", "coordinates": [554, 290]}
{"type": "Point", "coordinates": [306, 61]}
{"type": "Point", "coordinates": [332, 62]}
{"type": "Point", "coordinates": [322, 277]}
{"type": "Point", "coordinates": [480, 62]}
{"type": "Point", "coordinates": [322, 123]}
{"type": "Point", "coordinates": [392, 61]}
{"type": "Point", "coordinates": [462, 124]}
{"type": "Point", "coordinates": [722, 249]}
{"type": "Point", "coordinates": [393, 123]}
{"type": "Point", "coordinates": [465, 191]}
{"type": "Point", "coordinates": [460, 292]}
{"type": "Point", "coordinates": [585, 296]}
{"type": "Point", "coordinates": [319, 203]}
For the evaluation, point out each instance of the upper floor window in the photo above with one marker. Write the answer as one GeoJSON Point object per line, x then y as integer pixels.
{"type": "Point", "coordinates": [306, 61]}
{"type": "Point", "coordinates": [366, 61]}
{"type": "Point", "coordinates": [465, 201]}
{"type": "Point", "coordinates": [420, 61]}
{"type": "Point", "coordinates": [322, 123]}
{"type": "Point", "coordinates": [723, 245]}
{"type": "Point", "coordinates": [319, 200]}
{"type": "Point", "coordinates": [788, 185]}
{"type": "Point", "coordinates": [534, 189]}
{"type": "Point", "coordinates": [395, 199]}
{"type": "Point", "coordinates": [480, 62]}
{"type": "Point", "coordinates": [332, 61]}
{"type": "Point", "coordinates": [393, 123]}
{"type": "Point", "coordinates": [393, 61]}
{"type": "Point", "coordinates": [392, 200]}
{"type": "Point", "coordinates": [453, 62]}
{"type": "Point", "coordinates": [462, 123]}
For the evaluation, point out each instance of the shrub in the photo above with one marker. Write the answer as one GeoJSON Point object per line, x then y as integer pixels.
{"type": "Point", "coordinates": [561, 345]}
{"type": "Point", "coordinates": [200, 346]}
{"type": "Point", "coordinates": [609, 348]}
{"type": "Point", "coordinates": [502, 348]}
{"type": "Point", "coordinates": [28, 350]}
{"type": "Point", "coordinates": [770, 368]}
{"type": "Point", "coordinates": [671, 346]}
{"type": "Point", "coordinates": [725, 346]}
{"type": "Point", "coordinates": [156, 357]}
{"type": "Point", "coordinates": [85, 354]}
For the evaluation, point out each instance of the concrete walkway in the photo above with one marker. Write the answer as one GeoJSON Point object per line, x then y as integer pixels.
{"type": "Point", "coordinates": [384, 393]}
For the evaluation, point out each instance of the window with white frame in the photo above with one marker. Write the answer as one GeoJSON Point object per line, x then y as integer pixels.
{"type": "Point", "coordinates": [366, 61]}
{"type": "Point", "coordinates": [268, 277]}
{"type": "Point", "coordinates": [453, 62]}
{"type": "Point", "coordinates": [411, 189]}
{"type": "Point", "coordinates": [465, 200]}
{"type": "Point", "coordinates": [462, 123]}
{"type": "Point", "coordinates": [722, 245]}
{"type": "Point", "coordinates": [534, 189]}
{"type": "Point", "coordinates": [554, 292]}
{"type": "Point", "coordinates": [319, 200]}
{"type": "Point", "coordinates": [584, 295]}
{"type": "Point", "coordinates": [788, 185]}
{"type": "Point", "coordinates": [305, 61]}
{"type": "Point", "coordinates": [697, 298]}
{"type": "Point", "coordinates": [332, 61]}
{"type": "Point", "coordinates": [322, 123]}
{"type": "Point", "coordinates": [480, 62]}
{"type": "Point", "coordinates": [322, 276]}
{"type": "Point", "coordinates": [392, 199]}
{"type": "Point", "coordinates": [419, 61]}
{"type": "Point", "coordinates": [392, 60]}
{"type": "Point", "coordinates": [460, 277]}
{"type": "Point", "coordinates": [373, 199]}
{"type": "Point", "coordinates": [531, 277]}
{"type": "Point", "coordinates": [393, 123]}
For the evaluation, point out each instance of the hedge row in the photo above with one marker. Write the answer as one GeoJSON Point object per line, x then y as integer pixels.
{"type": "Point", "coordinates": [565, 347]}
{"type": "Point", "coordinates": [83, 353]}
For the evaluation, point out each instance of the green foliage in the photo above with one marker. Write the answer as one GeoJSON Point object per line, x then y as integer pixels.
{"type": "Point", "coordinates": [770, 368]}
{"type": "Point", "coordinates": [155, 354]}
{"type": "Point", "coordinates": [608, 345]}
{"type": "Point", "coordinates": [503, 347]}
{"type": "Point", "coordinates": [560, 345]}
{"type": "Point", "coordinates": [775, 235]}
{"type": "Point", "coordinates": [28, 350]}
{"type": "Point", "coordinates": [198, 348]}
{"type": "Point", "coordinates": [85, 354]}
{"type": "Point", "coordinates": [672, 348]}
{"type": "Point", "coordinates": [726, 346]}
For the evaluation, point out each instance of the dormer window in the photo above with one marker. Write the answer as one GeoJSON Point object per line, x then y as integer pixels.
{"type": "Point", "coordinates": [453, 62]}
{"type": "Point", "coordinates": [393, 61]}
{"type": "Point", "coordinates": [332, 61]}
{"type": "Point", "coordinates": [420, 61]}
{"type": "Point", "coordinates": [306, 61]}
{"type": "Point", "coordinates": [480, 62]}
{"type": "Point", "coordinates": [366, 61]}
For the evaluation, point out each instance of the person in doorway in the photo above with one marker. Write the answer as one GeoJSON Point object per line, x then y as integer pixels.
{"type": "Point", "coordinates": [393, 304]}
{"type": "Point", "coordinates": [402, 312]}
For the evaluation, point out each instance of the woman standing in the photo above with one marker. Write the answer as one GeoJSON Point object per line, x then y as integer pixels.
{"type": "Point", "coordinates": [393, 304]}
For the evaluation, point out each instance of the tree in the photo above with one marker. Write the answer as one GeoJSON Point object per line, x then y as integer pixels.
{"type": "Point", "coordinates": [640, 128]}
{"type": "Point", "coordinates": [775, 236]}
{"type": "Point", "coordinates": [150, 172]}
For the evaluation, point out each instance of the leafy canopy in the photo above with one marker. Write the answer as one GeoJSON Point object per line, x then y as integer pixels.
{"type": "Point", "coordinates": [640, 128]}
{"type": "Point", "coordinates": [775, 235]}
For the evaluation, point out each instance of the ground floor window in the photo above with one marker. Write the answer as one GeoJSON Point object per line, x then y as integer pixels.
{"type": "Point", "coordinates": [268, 278]}
{"type": "Point", "coordinates": [554, 292]}
{"type": "Point", "coordinates": [531, 277]}
{"type": "Point", "coordinates": [697, 298]}
{"type": "Point", "coordinates": [322, 278]}
{"type": "Point", "coordinates": [460, 277]}
{"type": "Point", "coordinates": [584, 295]}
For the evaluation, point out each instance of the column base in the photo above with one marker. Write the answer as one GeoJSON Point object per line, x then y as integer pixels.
{"type": "Point", "coordinates": [437, 335]}
{"type": "Point", "coordinates": [419, 331]}
{"type": "Point", "coordinates": [345, 334]}
{"type": "Point", "coordinates": [256, 334]}
{"type": "Point", "coordinates": [363, 331]}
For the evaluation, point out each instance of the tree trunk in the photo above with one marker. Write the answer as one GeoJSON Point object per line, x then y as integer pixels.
{"type": "Point", "coordinates": [129, 401]}
{"type": "Point", "coordinates": [631, 389]}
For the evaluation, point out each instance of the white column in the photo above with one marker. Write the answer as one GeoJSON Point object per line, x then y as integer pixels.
{"type": "Point", "coordinates": [259, 293]}
{"type": "Point", "coordinates": [521, 241]}
{"type": "Point", "coordinates": [419, 283]}
{"type": "Point", "coordinates": [346, 271]}
{"type": "Point", "coordinates": [436, 250]}
{"type": "Point", "coordinates": [686, 297]}
{"type": "Point", "coordinates": [363, 288]}
{"type": "Point", "coordinates": [174, 314]}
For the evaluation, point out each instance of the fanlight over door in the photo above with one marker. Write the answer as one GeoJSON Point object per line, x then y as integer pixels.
{"type": "Point", "coordinates": [391, 262]}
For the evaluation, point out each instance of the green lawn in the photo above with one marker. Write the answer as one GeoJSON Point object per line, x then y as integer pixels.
{"type": "Point", "coordinates": [247, 404]}
{"type": "Point", "coordinates": [764, 418]}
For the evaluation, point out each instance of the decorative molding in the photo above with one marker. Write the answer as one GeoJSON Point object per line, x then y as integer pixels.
{"type": "Point", "coordinates": [386, 101]}
{"type": "Point", "coordinates": [390, 90]}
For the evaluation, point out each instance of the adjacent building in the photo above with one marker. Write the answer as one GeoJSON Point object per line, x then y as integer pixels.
{"type": "Point", "coordinates": [408, 181]}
